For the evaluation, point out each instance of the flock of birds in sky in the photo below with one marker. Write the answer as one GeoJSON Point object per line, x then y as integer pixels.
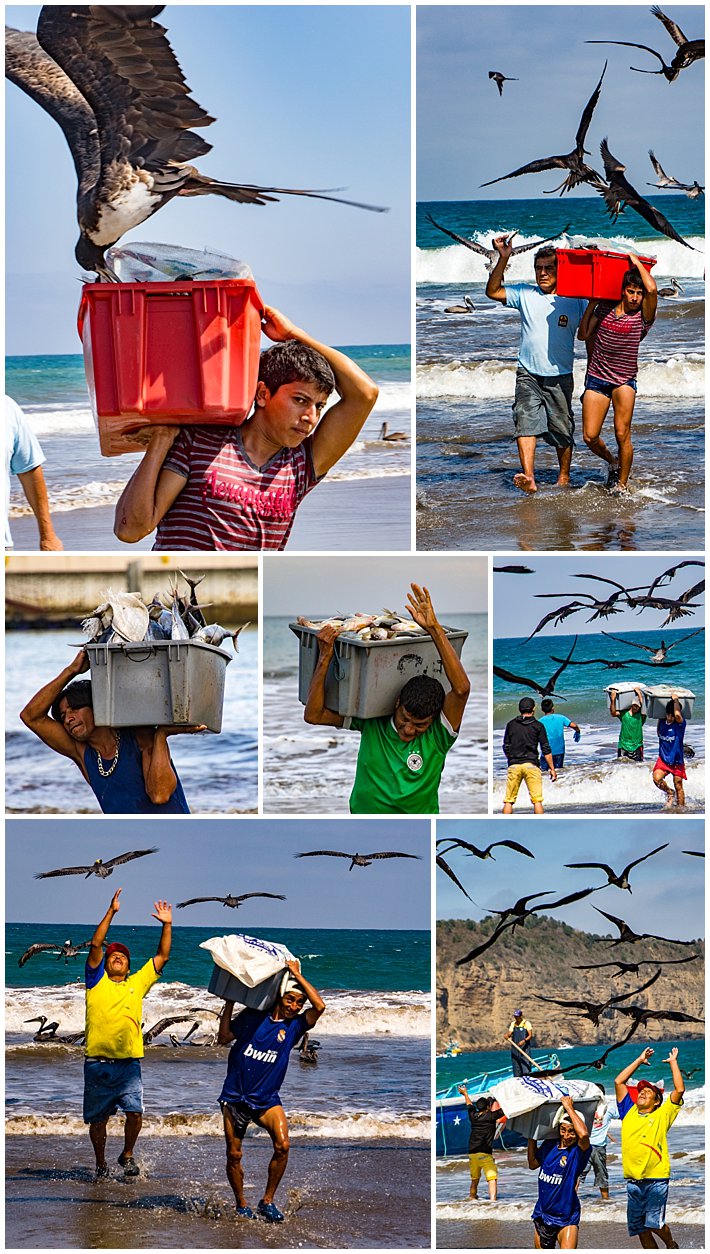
{"type": "Point", "coordinates": [640, 598]}
{"type": "Point", "coordinates": [515, 916]}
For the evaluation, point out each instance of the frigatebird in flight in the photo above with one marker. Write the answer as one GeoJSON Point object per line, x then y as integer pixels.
{"type": "Point", "coordinates": [456, 842]}
{"type": "Point", "coordinates": [612, 664]}
{"type": "Point", "coordinates": [573, 162]}
{"type": "Point", "coordinates": [547, 689]}
{"type": "Point", "coordinates": [108, 75]}
{"type": "Point", "coordinates": [444, 866]}
{"type": "Point", "coordinates": [99, 867]}
{"type": "Point", "coordinates": [513, 570]}
{"type": "Point", "coordinates": [618, 193]}
{"type": "Point", "coordinates": [619, 878]}
{"type": "Point", "coordinates": [627, 936]}
{"type": "Point", "coordinates": [689, 50]}
{"type": "Point", "coordinates": [593, 1010]}
{"type": "Point", "coordinates": [633, 968]}
{"type": "Point", "coordinates": [520, 913]}
{"type": "Point", "coordinates": [499, 79]}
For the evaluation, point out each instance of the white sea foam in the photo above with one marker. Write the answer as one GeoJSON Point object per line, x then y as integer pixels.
{"type": "Point", "coordinates": [611, 783]}
{"type": "Point", "coordinates": [349, 1013]}
{"type": "Point", "coordinates": [83, 496]}
{"type": "Point", "coordinates": [593, 1211]}
{"type": "Point", "coordinates": [340, 1125]}
{"type": "Point", "coordinates": [682, 375]}
{"type": "Point", "coordinates": [455, 263]}
{"type": "Point", "coordinates": [49, 420]}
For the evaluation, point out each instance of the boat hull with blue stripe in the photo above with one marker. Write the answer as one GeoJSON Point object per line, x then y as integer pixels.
{"type": "Point", "coordinates": [452, 1122]}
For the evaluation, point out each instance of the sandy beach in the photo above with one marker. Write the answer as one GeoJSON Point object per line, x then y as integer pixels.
{"type": "Point", "coordinates": [359, 514]}
{"type": "Point", "coordinates": [335, 1195]}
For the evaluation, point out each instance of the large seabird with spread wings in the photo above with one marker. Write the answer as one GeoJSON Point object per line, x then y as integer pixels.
{"type": "Point", "coordinates": [108, 76]}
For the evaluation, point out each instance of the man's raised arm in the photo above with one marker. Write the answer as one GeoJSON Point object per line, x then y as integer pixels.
{"type": "Point", "coordinates": [315, 710]}
{"type": "Point", "coordinates": [317, 1005]}
{"type": "Point", "coordinates": [151, 490]}
{"type": "Point", "coordinates": [36, 713]}
{"type": "Point", "coordinates": [96, 952]}
{"type": "Point", "coordinates": [494, 286]}
{"type": "Point", "coordinates": [422, 611]}
{"type": "Point", "coordinates": [678, 1081]}
{"type": "Point", "coordinates": [643, 1060]}
{"type": "Point", "coordinates": [341, 425]}
{"type": "Point", "coordinates": [163, 912]}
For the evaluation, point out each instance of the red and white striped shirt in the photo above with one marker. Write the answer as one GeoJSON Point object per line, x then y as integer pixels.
{"type": "Point", "coordinates": [616, 349]}
{"type": "Point", "coordinates": [228, 502]}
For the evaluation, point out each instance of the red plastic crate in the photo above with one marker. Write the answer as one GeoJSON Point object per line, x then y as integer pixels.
{"type": "Point", "coordinates": [593, 272]}
{"type": "Point", "coordinates": [169, 353]}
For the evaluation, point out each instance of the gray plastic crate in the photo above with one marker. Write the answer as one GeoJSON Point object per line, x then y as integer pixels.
{"type": "Point", "coordinates": [365, 677]}
{"type": "Point", "coordinates": [625, 696]}
{"type": "Point", "coordinates": [659, 695]}
{"type": "Point", "coordinates": [158, 683]}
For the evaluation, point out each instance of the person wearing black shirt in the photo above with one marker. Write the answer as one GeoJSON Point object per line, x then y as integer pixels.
{"type": "Point", "coordinates": [524, 741]}
{"type": "Point", "coordinates": [480, 1143]}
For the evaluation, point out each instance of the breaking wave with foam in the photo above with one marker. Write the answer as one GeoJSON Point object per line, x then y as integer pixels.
{"type": "Point", "coordinates": [345, 1125]}
{"type": "Point", "coordinates": [593, 1211]}
{"type": "Point", "coordinates": [681, 375]}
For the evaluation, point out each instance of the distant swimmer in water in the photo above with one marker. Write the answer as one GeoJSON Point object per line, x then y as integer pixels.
{"type": "Point", "coordinates": [544, 385]}
{"type": "Point", "coordinates": [616, 329]}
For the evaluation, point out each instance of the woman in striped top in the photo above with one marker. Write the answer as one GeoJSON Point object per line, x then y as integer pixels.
{"type": "Point", "coordinates": [615, 332]}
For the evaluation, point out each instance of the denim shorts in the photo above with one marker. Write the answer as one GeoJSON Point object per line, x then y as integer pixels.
{"type": "Point", "coordinates": [593, 384]}
{"type": "Point", "coordinates": [543, 407]}
{"type": "Point", "coordinates": [645, 1205]}
{"type": "Point", "coordinates": [558, 761]}
{"type": "Point", "coordinates": [111, 1085]}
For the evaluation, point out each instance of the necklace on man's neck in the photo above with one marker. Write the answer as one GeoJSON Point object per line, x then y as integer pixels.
{"type": "Point", "coordinates": [102, 771]}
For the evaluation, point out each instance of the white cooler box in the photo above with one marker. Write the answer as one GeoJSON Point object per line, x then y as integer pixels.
{"type": "Point", "coordinates": [660, 694]}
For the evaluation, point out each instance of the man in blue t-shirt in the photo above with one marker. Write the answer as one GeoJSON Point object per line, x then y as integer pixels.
{"type": "Point", "coordinates": [671, 758]}
{"type": "Point", "coordinates": [258, 1059]}
{"type": "Point", "coordinates": [542, 408]}
{"type": "Point", "coordinates": [554, 725]}
{"type": "Point", "coordinates": [559, 1163]}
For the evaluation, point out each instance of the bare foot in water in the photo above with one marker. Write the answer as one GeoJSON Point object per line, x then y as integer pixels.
{"type": "Point", "coordinates": [563, 481]}
{"type": "Point", "coordinates": [526, 483]}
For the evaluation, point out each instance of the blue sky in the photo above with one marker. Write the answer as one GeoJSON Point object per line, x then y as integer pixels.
{"type": "Point", "coordinates": [467, 133]}
{"type": "Point", "coordinates": [331, 586]}
{"type": "Point", "coordinates": [666, 892]}
{"type": "Point", "coordinates": [199, 858]}
{"type": "Point", "coordinates": [516, 609]}
{"type": "Point", "coordinates": [311, 97]}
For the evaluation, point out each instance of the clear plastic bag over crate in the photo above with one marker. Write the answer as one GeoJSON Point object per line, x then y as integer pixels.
{"type": "Point", "coordinates": [167, 263]}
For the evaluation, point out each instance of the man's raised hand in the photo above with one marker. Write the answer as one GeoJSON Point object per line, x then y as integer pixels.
{"type": "Point", "coordinates": [163, 912]}
{"type": "Point", "coordinates": [115, 903]}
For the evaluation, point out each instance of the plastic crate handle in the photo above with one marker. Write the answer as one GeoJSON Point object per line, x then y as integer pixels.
{"type": "Point", "coordinates": [146, 650]}
{"type": "Point", "coordinates": [340, 666]}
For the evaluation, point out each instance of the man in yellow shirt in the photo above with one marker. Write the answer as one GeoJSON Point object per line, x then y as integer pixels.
{"type": "Point", "coordinates": [644, 1149]}
{"type": "Point", "coordinates": [114, 1040]}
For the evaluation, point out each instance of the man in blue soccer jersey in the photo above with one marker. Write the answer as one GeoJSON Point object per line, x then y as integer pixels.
{"type": "Point", "coordinates": [262, 1044]}
{"type": "Point", "coordinates": [560, 1163]}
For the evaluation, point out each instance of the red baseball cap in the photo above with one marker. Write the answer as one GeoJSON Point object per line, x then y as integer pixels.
{"type": "Point", "coordinates": [117, 948]}
{"type": "Point", "coordinates": [657, 1088]}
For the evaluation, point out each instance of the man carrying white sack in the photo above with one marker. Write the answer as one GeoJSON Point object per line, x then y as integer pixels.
{"type": "Point", "coordinates": [262, 1044]}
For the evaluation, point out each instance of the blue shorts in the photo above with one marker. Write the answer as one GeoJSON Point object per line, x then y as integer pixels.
{"type": "Point", "coordinates": [593, 384]}
{"type": "Point", "coordinates": [646, 1205]}
{"type": "Point", "coordinates": [111, 1085]}
{"type": "Point", "coordinates": [558, 761]}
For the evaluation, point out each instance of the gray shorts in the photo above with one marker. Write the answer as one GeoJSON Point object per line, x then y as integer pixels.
{"type": "Point", "coordinates": [543, 407]}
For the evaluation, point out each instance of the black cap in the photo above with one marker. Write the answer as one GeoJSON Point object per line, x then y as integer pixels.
{"type": "Point", "coordinates": [526, 705]}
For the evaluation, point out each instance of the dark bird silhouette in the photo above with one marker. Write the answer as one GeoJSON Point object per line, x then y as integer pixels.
{"type": "Point", "coordinates": [673, 290]}
{"type": "Point", "coordinates": [444, 866]}
{"type": "Point", "coordinates": [573, 162]}
{"type": "Point", "coordinates": [234, 902]}
{"type": "Point", "coordinates": [456, 842]}
{"type": "Point", "coordinates": [619, 194]}
{"type": "Point", "coordinates": [678, 607]}
{"type": "Point", "coordinates": [99, 867]}
{"type": "Point", "coordinates": [65, 951]}
{"type": "Point", "coordinates": [519, 913]}
{"type": "Point", "coordinates": [601, 609]}
{"type": "Point", "coordinates": [612, 664]}
{"type": "Point", "coordinates": [634, 968]}
{"type": "Point", "coordinates": [150, 1034]}
{"type": "Point", "coordinates": [593, 1010]}
{"type": "Point", "coordinates": [356, 859]}
{"type": "Point", "coordinates": [546, 689]}
{"type": "Point", "coordinates": [467, 307]}
{"type": "Point", "coordinates": [519, 909]}
{"type": "Point", "coordinates": [667, 575]}
{"type": "Point", "coordinates": [658, 654]}
{"type": "Point", "coordinates": [628, 936]}
{"type": "Point", "coordinates": [621, 878]}
{"type": "Point", "coordinates": [499, 79]}
{"type": "Point", "coordinates": [596, 1064]}
{"type": "Point", "coordinates": [513, 570]}
{"type": "Point", "coordinates": [694, 853]}
{"type": "Point", "coordinates": [642, 1016]}
{"type": "Point", "coordinates": [667, 183]}
{"type": "Point", "coordinates": [690, 1072]}
{"type": "Point", "coordinates": [689, 50]}
{"type": "Point", "coordinates": [48, 1032]}
{"type": "Point", "coordinates": [490, 253]}
{"type": "Point", "coordinates": [108, 75]}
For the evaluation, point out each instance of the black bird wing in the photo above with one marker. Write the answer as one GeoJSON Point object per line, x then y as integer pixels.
{"type": "Point", "coordinates": [635, 992]}
{"type": "Point", "coordinates": [65, 870]}
{"type": "Point", "coordinates": [512, 844]}
{"type": "Point", "coordinates": [612, 918]}
{"type": "Point", "coordinates": [192, 901]}
{"type": "Point", "coordinates": [602, 866]}
{"type": "Point", "coordinates": [30, 953]}
{"type": "Point", "coordinates": [390, 854]}
{"type": "Point", "coordinates": [510, 678]}
{"type": "Point", "coordinates": [563, 666]}
{"type": "Point", "coordinates": [694, 853]}
{"type": "Point", "coordinates": [162, 1024]}
{"type": "Point", "coordinates": [38, 75]}
{"type": "Point", "coordinates": [533, 167]}
{"type": "Point", "coordinates": [667, 575]}
{"type": "Point", "coordinates": [556, 616]}
{"type": "Point", "coordinates": [567, 901]}
{"type": "Point", "coordinates": [467, 243]}
{"type": "Point", "coordinates": [667, 939]}
{"type": "Point", "coordinates": [444, 866]}
{"type": "Point", "coordinates": [573, 1005]}
{"type": "Point", "coordinates": [457, 842]}
{"type": "Point", "coordinates": [522, 903]}
{"type": "Point", "coordinates": [624, 43]}
{"type": "Point", "coordinates": [631, 644]}
{"type": "Point", "coordinates": [672, 27]}
{"type": "Point", "coordinates": [515, 570]}
{"type": "Point", "coordinates": [695, 591]}
{"type": "Point", "coordinates": [587, 114]}
{"type": "Point", "coordinates": [276, 896]}
{"type": "Point", "coordinates": [525, 248]}
{"type": "Point", "coordinates": [628, 868]}
{"type": "Point", "coordinates": [324, 853]}
{"type": "Point", "coordinates": [620, 188]}
{"type": "Point", "coordinates": [128, 857]}
{"type": "Point", "coordinates": [660, 172]}
{"type": "Point", "coordinates": [480, 949]}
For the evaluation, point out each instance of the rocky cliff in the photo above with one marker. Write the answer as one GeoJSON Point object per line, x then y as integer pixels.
{"type": "Point", "coordinates": [475, 1002]}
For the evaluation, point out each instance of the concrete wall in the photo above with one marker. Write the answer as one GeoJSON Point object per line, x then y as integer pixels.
{"type": "Point", "coordinates": [55, 587]}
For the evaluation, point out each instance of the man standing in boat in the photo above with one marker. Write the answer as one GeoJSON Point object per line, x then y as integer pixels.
{"type": "Point", "coordinates": [520, 1035]}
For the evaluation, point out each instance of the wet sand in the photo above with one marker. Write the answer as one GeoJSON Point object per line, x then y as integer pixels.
{"type": "Point", "coordinates": [367, 515]}
{"type": "Point", "coordinates": [499, 1235]}
{"type": "Point", "coordinates": [336, 1195]}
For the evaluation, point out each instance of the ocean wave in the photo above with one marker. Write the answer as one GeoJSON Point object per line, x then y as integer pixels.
{"type": "Point", "coordinates": [613, 783]}
{"type": "Point", "coordinates": [593, 1211]}
{"type": "Point", "coordinates": [338, 1125]}
{"type": "Point", "coordinates": [83, 496]}
{"type": "Point", "coordinates": [375, 472]}
{"type": "Point", "coordinates": [682, 375]}
{"type": "Point", "coordinates": [455, 263]}
{"type": "Point", "coordinates": [348, 1014]}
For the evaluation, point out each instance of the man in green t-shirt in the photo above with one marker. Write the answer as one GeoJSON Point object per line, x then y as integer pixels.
{"type": "Point", "coordinates": [631, 721]}
{"type": "Point", "coordinates": [401, 755]}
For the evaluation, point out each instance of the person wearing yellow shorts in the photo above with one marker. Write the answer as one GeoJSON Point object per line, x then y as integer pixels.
{"type": "Point", "coordinates": [480, 1143]}
{"type": "Point", "coordinates": [524, 742]}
